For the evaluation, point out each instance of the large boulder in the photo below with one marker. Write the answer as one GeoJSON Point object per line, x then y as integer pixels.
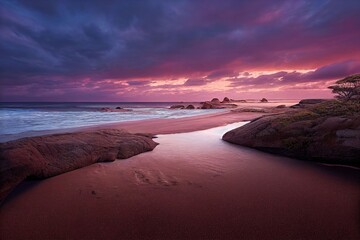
{"type": "Point", "coordinates": [264, 100]}
{"type": "Point", "coordinates": [207, 105]}
{"type": "Point", "coordinates": [215, 101]}
{"type": "Point", "coordinates": [226, 100]}
{"type": "Point", "coordinates": [304, 135]}
{"type": "Point", "coordinates": [210, 105]}
{"type": "Point", "coordinates": [47, 156]}
{"type": "Point", "coordinates": [179, 106]}
{"type": "Point", "coordinates": [190, 107]}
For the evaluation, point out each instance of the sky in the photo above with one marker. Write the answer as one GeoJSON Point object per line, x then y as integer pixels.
{"type": "Point", "coordinates": [181, 50]}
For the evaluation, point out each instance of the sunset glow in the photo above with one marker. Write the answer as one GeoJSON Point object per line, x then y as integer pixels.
{"type": "Point", "coordinates": [175, 50]}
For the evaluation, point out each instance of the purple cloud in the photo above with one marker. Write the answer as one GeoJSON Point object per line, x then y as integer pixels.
{"type": "Point", "coordinates": [52, 45]}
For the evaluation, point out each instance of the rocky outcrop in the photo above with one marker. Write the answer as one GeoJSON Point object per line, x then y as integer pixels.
{"type": "Point", "coordinates": [226, 100]}
{"type": "Point", "coordinates": [281, 106]}
{"type": "Point", "coordinates": [264, 100]}
{"type": "Point", "coordinates": [215, 101]}
{"type": "Point", "coordinates": [190, 107]}
{"type": "Point", "coordinates": [210, 105]}
{"type": "Point", "coordinates": [303, 134]}
{"type": "Point", "coordinates": [207, 105]}
{"type": "Point", "coordinates": [177, 107]}
{"type": "Point", "coordinates": [47, 156]}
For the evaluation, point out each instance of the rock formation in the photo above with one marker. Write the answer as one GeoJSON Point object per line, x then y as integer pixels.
{"type": "Point", "coordinates": [215, 101]}
{"type": "Point", "coordinates": [190, 107]}
{"type": "Point", "coordinates": [177, 107]}
{"type": "Point", "coordinates": [210, 105]}
{"type": "Point", "coordinates": [264, 100]}
{"type": "Point", "coordinates": [47, 156]}
{"type": "Point", "coordinates": [226, 100]}
{"type": "Point", "coordinates": [324, 133]}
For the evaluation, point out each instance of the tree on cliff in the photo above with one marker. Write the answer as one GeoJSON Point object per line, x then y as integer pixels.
{"type": "Point", "coordinates": [347, 88]}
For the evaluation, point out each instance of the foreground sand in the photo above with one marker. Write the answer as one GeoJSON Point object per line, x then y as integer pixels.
{"type": "Point", "coordinates": [192, 186]}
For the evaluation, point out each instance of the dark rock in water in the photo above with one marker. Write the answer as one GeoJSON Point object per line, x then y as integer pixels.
{"type": "Point", "coordinates": [264, 100]}
{"type": "Point", "coordinates": [118, 108]}
{"type": "Point", "coordinates": [207, 105]}
{"type": "Point", "coordinates": [303, 134]}
{"type": "Point", "coordinates": [312, 101]}
{"type": "Point", "coordinates": [215, 101]}
{"type": "Point", "coordinates": [190, 107]}
{"type": "Point", "coordinates": [210, 105]}
{"type": "Point", "coordinates": [177, 107]}
{"type": "Point", "coordinates": [226, 100]}
{"type": "Point", "coordinates": [47, 156]}
{"type": "Point", "coordinates": [106, 109]}
{"type": "Point", "coordinates": [281, 106]}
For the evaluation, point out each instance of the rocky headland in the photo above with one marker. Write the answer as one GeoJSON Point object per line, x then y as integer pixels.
{"type": "Point", "coordinates": [323, 131]}
{"type": "Point", "coordinates": [47, 156]}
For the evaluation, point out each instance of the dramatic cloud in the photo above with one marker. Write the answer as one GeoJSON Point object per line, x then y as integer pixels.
{"type": "Point", "coordinates": [195, 82]}
{"type": "Point", "coordinates": [115, 50]}
{"type": "Point", "coordinates": [283, 78]}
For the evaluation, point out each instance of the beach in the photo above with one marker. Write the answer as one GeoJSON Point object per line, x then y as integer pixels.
{"type": "Point", "coordinates": [192, 185]}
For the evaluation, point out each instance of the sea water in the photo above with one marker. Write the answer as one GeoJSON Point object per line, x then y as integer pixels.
{"type": "Point", "coordinates": [24, 117]}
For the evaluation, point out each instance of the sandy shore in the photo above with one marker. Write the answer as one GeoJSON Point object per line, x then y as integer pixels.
{"type": "Point", "coordinates": [192, 186]}
{"type": "Point", "coordinates": [155, 126]}
{"type": "Point", "coordinates": [170, 125]}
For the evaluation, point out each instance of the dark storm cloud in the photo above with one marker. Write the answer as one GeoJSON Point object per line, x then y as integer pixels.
{"type": "Point", "coordinates": [66, 41]}
{"type": "Point", "coordinates": [328, 72]}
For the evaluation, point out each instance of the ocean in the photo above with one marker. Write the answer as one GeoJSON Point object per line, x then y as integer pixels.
{"type": "Point", "coordinates": [25, 117]}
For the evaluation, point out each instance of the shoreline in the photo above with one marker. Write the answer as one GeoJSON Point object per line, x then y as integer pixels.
{"type": "Point", "coordinates": [178, 125]}
{"type": "Point", "coordinates": [177, 192]}
{"type": "Point", "coordinates": [154, 126]}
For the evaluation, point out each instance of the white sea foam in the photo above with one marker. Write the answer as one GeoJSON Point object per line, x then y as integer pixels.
{"type": "Point", "coordinates": [19, 120]}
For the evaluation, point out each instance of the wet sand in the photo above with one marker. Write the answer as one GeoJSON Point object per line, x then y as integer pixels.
{"type": "Point", "coordinates": [192, 186]}
{"type": "Point", "coordinates": [155, 126]}
{"type": "Point", "coordinates": [171, 125]}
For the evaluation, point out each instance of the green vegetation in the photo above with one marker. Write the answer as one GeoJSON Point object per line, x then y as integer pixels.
{"type": "Point", "coordinates": [337, 108]}
{"type": "Point", "coordinates": [347, 88]}
{"type": "Point", "coordinates": [325, 109]}
{"type": "Point", "coordinates": [302, 115]}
